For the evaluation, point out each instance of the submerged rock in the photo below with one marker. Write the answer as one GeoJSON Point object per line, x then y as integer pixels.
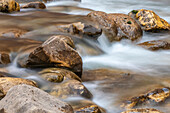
{"type": "Point", "coordinates": [127, 27]}
{"type": "Point", "coordinates": [7, 82]}
{"type": "Point", "coordinates": [144, 110]}
{"type": "Point", "coordinates": [8, 6]}
{"type": "Point", "coordinates": [5, 58]}
{"type": "Point", "coordinates": [57, 51]}
{"type": "Point", "coordinates": [81, 29]}
{"type": "Point", "coordinates": [149, 20]}
{"type": "Point", "coordinates": [27, 99]}
{"type": "Point", "coordinates": [37, 5]}
{"type": "Point", "coordinates": [70, 88]}
{"type": "Point", "coordinates": [155, 45]}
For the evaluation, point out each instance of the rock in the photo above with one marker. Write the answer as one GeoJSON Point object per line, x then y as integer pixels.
{"type": "Point", "coordinates": [70, 88]}
{"type": "Point", "coordinates": [149, 20]}
{"type": "Point", "coordinates": [8, 6]}
{"type": "Point", "coordinates": [4, 58]}
{"type": "Point", "coordinates": [57, 51]}
{"type": "Point", "coordinates": [155, 45]}
{"type": "Point", "coordinates": [81, 29]}
{"type": "Point", "coordinates": [7, 82]}
{"type": "Point", "coordinates": [145, 110]}
{"type": "Point", "coordinates": [153, 97]}
{"type": "Point", "coordinates": [58, 75]}
{"type": "Point", "coordinates": [85, 106]}
{"type": "Point", "coordinates": [37, 5]}
{"type": "Point", "coordinates": [107, 25]}
{"type": "Point", "coordinates": [27, 99]}
{"type": "Point", "coordinates": [127, 27]}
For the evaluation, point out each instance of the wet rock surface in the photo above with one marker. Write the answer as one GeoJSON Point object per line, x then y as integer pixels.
{"type": "Point", "coordinates": [146, 110]}
{"type": "Point", "coordinates": [7, 82]}
{"type": "Point", "coordinates": [8, 6]}
{"type": "Point", "coordinates": [155, 45]}
{"type": "Point", "coordinates": [28, 99]}
{"type": "Point", "coordinates": [149, 20]}
{"type": "Point", "coordinates": [5, 58]}
{"type": "Point", "coordinates": [37, 5]}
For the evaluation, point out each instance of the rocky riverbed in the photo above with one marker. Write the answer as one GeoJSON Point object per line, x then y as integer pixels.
{"type": "Point", "coordinates": [81, 56]}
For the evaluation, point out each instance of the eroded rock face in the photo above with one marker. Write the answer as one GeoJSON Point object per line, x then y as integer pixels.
{"type": "Point", "coordinates": [8, 6]}
{"type": "Point", "coordinates": [58, 75]}
{"type": "Point", "coordinates": [149, 20]}
{"type": "Point", "coordinates": [155, 45]}
{"type": "Point", "coordinates": [7, 82]}
{"type": "Point", "coordinates": [146, 110]}
{"type": "Point", "coordinates": [57, 51]}
{"type": "Point", "coordinates": [108, 26]}
{"type": "Point", "coordinates": [153, 97]}
{"type": "Point", "coordinates": [81, 29]}
{"type": "Point", "coordinates": [37, 5]}
{"type": "Point", "coordinates": [27, 99]}
{"type": "Point", "coordinates": [127, 27]}
{"type": "Point", "coordinates": [70, 88]}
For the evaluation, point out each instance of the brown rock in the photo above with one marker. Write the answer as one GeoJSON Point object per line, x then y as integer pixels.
{"type": "Point", "coordinates": [146, 110]}
{"type": "Point", "coordinates": [4, 58]}
{"type": "Point", "coordinates": [58, 75]}
{"type": "Point", "coordinates": [70, 88]}
{"type": "Point", "coordinates": [81, 29]}
{"type": "Point", "coordinates": [57, 51]}
{"type": "Point", "coordinates": [155, 45]}
{"type": "Point", "coordinates": [149, 20]}
{"type": "Point", "coordinates": [27, 99]}
{"type": "Point", "coordinates": [8, 6]}
{"type": "Point", "coordinates": [108, 26]}
{"type": "Point", "coordinates": [6, 83]}
{"type": "Point", "coordinates": [127, 27]}
{"type": "Point", "coordinates": [37, 5]}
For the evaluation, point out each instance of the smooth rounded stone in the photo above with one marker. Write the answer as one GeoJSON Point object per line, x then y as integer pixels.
{"type": "Point", "coordinates": [127, 27]}
{"type": "Point", "coordinates": [149, 20]}
{"type": "Point", "coordinates": [8, 6]}
{"type": "Point", "coordinates": [27, 99]}
{"type": "Point", "coordinates": [144, 110]}
{"type": "Point", "coordinates": [85, 106]}
{"type": "Point", "coordinates": [81, 29]}
{"type": "Point", "coordinates": [37, 5]}
{"type": "Point", "coordinates": [57, 51]}
{"type": "Point", "coordinates": [151, 98]}
{"type": "Point", "coordinates": [108, 26]}
{"type": "Point", "coordinates": [58, 75]}
{"type": "Point", "coordinates": [70, 88]}
{"type": "Point", "coordinates": [155, 45]}
{"type": "Point", "coordinates": [7, 82]}
{"type": "Point", "coordinates": [4, 58]}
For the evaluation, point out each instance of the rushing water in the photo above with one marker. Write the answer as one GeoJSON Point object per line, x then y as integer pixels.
{"type": "Point", "coordinates": [117, 55]}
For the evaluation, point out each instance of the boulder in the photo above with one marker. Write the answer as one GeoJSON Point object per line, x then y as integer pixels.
{"type": "Point", "coordinates": [27, 99]}
{"type": "Point", "coordinates": [70, 88]}
{"type": "Point", "coordinates": [37, 5]}
{"type": "Point", "coordinates": [8, 6]}
{"type": "Point", "coordinates": [4, 58]}
{"type": "Point", "coordinates": [57, 51]}
{"type": "Point", "coordinates": [7, 82]}
{"type": "Point", "coordinates": [149, 20]}
{"type": "Point", "coordinates": [144, 110]}
{"type": "Point", "coordinates": [107, 25]}
{"type": "Point", "coordinates": [58, 75]}
{"type": "Point", "coordinates": [81, 29]}
{"type": "Point", "coordinates": [155, 45]}
{"type": "Point", "coordinates": [127, 27]}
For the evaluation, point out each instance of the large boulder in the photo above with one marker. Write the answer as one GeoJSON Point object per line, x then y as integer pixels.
{"type": "Point", "coordinates": [127, 27]}
{"type": "Point", "coordinates": [155, 45]}
{"type": "Point", "coordinates": [7, 82]}
{"type": "Point", "coordinates": [57, 51]}
{"type": "Point", "coordinates": [28, 99]}
{"type": "Point", "coordinates": [8, 6]}
{"type": "Point", "coordinates": [149, 20]}
{"type": "Point", "coordinates": [107, 25]}
{"type": "Point", "coordinates": [37, 5]}
{"type": "Point", "coordinates": [144, 110]}
{"type": "Point", "coordinates": [4, 58]}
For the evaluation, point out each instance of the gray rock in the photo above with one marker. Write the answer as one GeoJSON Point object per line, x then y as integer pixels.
{"type": "Point", "coordinates": [28, 99]}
